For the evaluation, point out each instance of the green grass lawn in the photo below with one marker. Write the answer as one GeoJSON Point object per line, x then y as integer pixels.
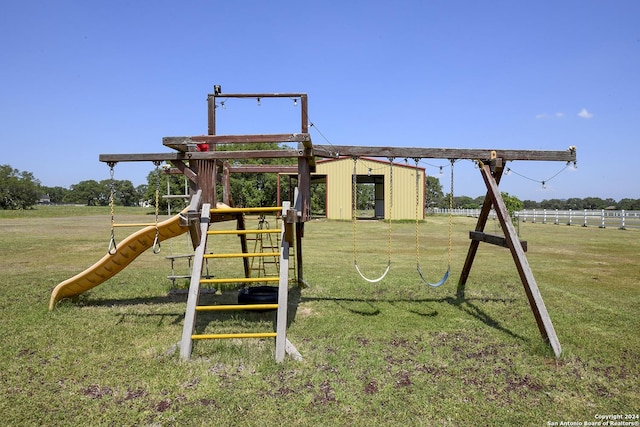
{"type": "Point", "coordinates": [392, 353]}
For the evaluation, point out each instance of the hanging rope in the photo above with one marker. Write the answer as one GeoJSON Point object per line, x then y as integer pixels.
{"type": "Point", "coordinates": [450, 231]}
{"type": "Point", "coordinates": [112, 242]}
{"type": "Point", "coordinates": [354, 205]}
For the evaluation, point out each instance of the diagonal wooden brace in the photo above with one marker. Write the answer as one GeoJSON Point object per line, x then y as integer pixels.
{"type": "Point", "coordinates": [524, 270]}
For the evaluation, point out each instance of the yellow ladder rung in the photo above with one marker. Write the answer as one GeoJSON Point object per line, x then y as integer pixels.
{"type": "Point", "coordinates": [239, 335]}
{"type": "Point", "coordinates": [236, 307]}
{"type": "Point", "coordinates": [153, 224]}
{"type": "Point", "coordinates": [243, 255]}
{"type": "Point", "coordinates": [247, 210]}
{"type": "Point", "coordinates": [241, 280]}
{"type": "Point", "coordinates": [269, 230]}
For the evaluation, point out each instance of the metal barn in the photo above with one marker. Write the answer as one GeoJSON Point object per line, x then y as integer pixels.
{"type": "Point", "coordinates": [396, 202]}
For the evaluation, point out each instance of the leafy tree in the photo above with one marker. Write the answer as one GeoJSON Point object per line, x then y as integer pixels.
{"type": "Point", "coordinates": [174, 184]}
{"type": "Point", "coordinates": [552, 204]}
{"type": "Point", "coordinates": [251, 189]}
{"type": "Point", "coordinates": [479, 200]}
{"type": "Point", "coordinates": [89, 192]}
{"type": "Point", "coordinates": [512, 203]}
{"type": "Point", "coordinates": [462, 202]}
{"type": "Point", "coordinates": [629, 204]}
{"type": "Point", "coordinates": [365, 196]}
{"type": "Point", "coordinates": [434, 194]}
{"type": "Point", "coordinates": [319, 199]}
{"type": "Point", "coordinates": [18, 190]}
{"type": "Point", "coordinates": [56, 194]}
{"type": "Point", "coordinates": [125, 193]}
{"type": "Point", "coordinates": [594, 203]}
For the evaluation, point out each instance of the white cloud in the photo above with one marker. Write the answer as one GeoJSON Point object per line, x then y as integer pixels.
{"type": "Point", "coordinates": [559, 114]}
{"type": "Point", "coordinates": [585, 114]}
{"type": "Point", "coordinates": [542, 116]}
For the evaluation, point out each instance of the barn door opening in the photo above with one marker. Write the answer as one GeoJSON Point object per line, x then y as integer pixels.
{"type": "Point", "coordinates": [370, 196]}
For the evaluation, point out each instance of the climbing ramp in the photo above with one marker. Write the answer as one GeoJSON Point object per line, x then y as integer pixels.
{"type": "Point", "coordinates": [111, 264]}
{"type": "Point", "coordinates": [189, 334]}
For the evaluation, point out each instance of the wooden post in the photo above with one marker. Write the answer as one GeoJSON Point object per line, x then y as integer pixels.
{"type": "Point", "coordinates": [526, 276]}
{"type": "Point", "coordinates": [206, 176]}
{"type": "Point", "coordinates": [283, 286]}
{"type": "Point", "coordinates": [211, 116]}
{"type": "Point", "coordinates": [299, 235]}
{"type": "Point", "coordinates": [243, 244]}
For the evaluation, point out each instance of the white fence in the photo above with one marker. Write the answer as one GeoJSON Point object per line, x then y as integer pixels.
{"type": "Point", "coordinates": [602, 218]}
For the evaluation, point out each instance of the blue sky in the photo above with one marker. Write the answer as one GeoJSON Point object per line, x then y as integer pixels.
{"type": "Point", "coordinates": [81, 78]}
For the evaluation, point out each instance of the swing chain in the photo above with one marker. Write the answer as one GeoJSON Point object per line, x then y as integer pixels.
{"type": "Point", "coordinates": [391, 159]}
{"type": "Point", "coordinates": [417, 160]}
{"type": "Point", "coordinates": [156, 240]}
{"type": "Point", "coordinates": [354, 202]}
{"type": "Point", "coordinates": [446, 275]}
{"type": "Point", "coordinates": [112, 249]}
{"type": "Point", "coordinates": [355, 228]}
{"type": "Point", "coordinates": [451, 214]}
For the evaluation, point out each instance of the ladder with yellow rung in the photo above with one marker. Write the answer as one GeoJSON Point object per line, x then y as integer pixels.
{"type": "Point", "coordinates": [286, 240]}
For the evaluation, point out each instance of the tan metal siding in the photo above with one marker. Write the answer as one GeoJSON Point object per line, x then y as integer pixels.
{"type": "Point", "coordinates": [339, 187]}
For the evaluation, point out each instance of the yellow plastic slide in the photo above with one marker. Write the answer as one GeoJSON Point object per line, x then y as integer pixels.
{"type": "Point", "coordinates": [110, 265]}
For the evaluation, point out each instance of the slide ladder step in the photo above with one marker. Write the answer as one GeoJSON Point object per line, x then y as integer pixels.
{"type": "Point", "coordinates": [230, 307]}
{"type": "Point", "coordinates": [241, 280]}
{"type": "Point", "coordinates": [255, 231]}
{"type": "Point", "coordinates": [268, 209]}
{"type": "Point", "coordinates": [238, 335]}
{"type": "Point", "coordinates": [243, 255]}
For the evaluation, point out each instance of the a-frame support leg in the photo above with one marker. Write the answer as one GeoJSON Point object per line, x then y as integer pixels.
{"type": "Point", "coordinates": [522, 264]}
{"type": "Point", "coordinates": [473, 248]}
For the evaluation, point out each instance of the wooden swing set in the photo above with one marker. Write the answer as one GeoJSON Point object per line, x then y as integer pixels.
{"type": "Point", "coordinates": [206, 167]}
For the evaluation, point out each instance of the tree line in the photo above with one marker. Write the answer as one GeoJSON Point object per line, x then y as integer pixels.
{"type": "Point", "coordinates": [591, 203]}
{"type": "Point", "coordinates": [21, 190]}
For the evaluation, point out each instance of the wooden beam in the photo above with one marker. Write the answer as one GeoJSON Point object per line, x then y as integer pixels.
{"type": "Point", "coordinates": [494, 240]}
{"type": "Point", "coordinates": [335, 151]}
{"type": "Point", "coordinates": [524, 270]}
{"type": "Point", "coordinates": [201, 155]}
{"type": "Point", "coordinates": [188, 143]}
{"type": "Point", "coordinates": [186, 171]}
{"type": "Point", "coordinates": [261, 95]}
{"type": "Point", "coordinates": [263, 169]}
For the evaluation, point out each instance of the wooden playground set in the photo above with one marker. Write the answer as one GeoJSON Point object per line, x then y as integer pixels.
{"type": "Point", "coordinates": [208, 170]}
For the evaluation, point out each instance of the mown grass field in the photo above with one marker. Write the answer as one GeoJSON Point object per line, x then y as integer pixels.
{"type": "Point", "coordinates": [392, 353]}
